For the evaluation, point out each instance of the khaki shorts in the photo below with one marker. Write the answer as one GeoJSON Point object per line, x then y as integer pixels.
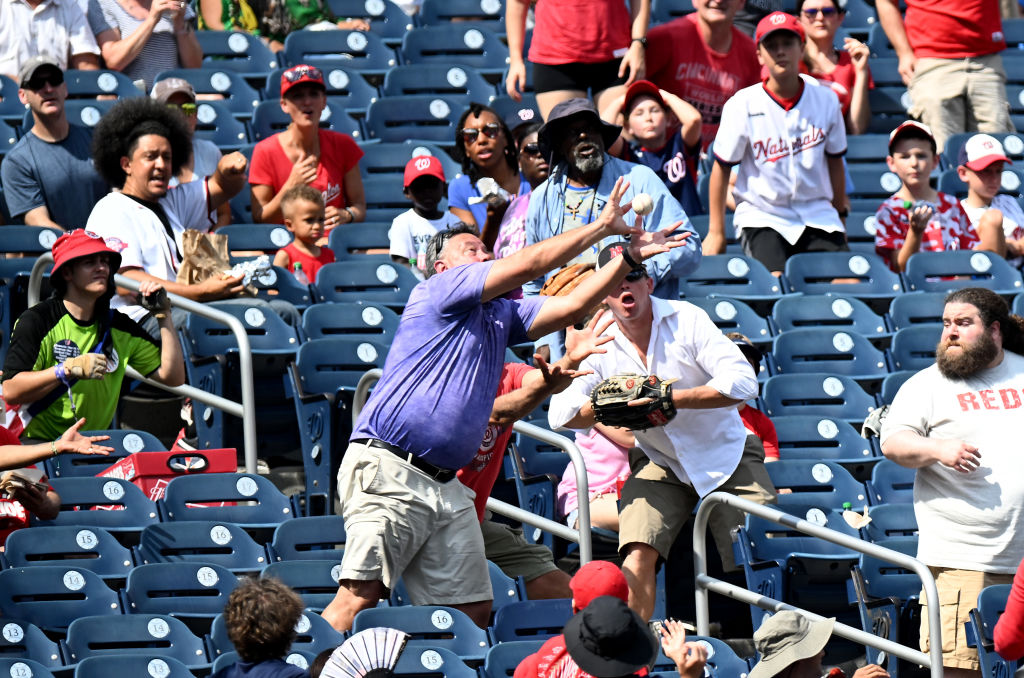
{"type": "Point", "coordinates": [401, 523]}
{"type": "Point", "coordinates": [506, 547]}
{"type": "Point", "coordinates": [656, 505]}
{"type": "Point", "coordinates": [958, 595]}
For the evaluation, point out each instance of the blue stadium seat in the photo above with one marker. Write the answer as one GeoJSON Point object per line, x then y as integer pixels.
{"type": "Point", "coordinates": [391, 157]}
{"type": "Point", "coordinates": [722, 659]}
{"type": "Point", "coordinates": [813, 273]}
{"type": "Point", "coordinates": [195, 593]}
{"type": "Point", "coordinates": [316, 581]}
{"type": "Point", "coordinates": [51, 597]}
{"type": "Point", "coordinates": [891, 385]}
{"type": "Point", "coordinates": [265, 238]}
{"type": "Point", "coordinates": [867, 148]}
{"type": "Point", "coordinates": [733, 275]}
{"type": "Point", "coordinates": [949, 182]}
{"type": "Point", "coordinates": [90, 548]}
{"type": "Point", "coordinates": [85, 112]}
{"type": "Point", "coordinates": [879, 43]}
{"type": "Point", "coordinates": [833, 311]}
{"type": "Point", "coordinates": [663, 11]}
{"type": "Point", "coordinates": [461, 44]}
{"type": "Point", "coordinates": [384, 202]}
{"type": "Point", "coordinates": [157, 635]}
{"type": "Point", "coordinates": [456, 82]}
{"type": "Point", "coordinates": [23, 667]}
{"type": "Point", "coordinates": [363, 52]}
{"type": "Point", "coordinates": [355, 280]}
{"type": "Point", "coordinates": [891, 521]}
{"type": "Point", "coordinates": [530, 620]}
{"type": "Point", "coordinates": [22, 640]}
{"type": "Point", "coordinates": [503, 658]}
{"type": "Point", "coordinates": [425, 662]}
{"type": "Point", "coordinates": [489, 14]}
{"type": "Point", "coordinates": [732, 315]}
{"type": "Point", "coordinates": [299, 658]}
{"type": "Point", "coordinates": [91, 84]}
{"type": "Point", "coordinates": [85, 502]}
{"type": "Point", "coordinates": [343, 84]}
{"type": "Point", "coordinates": [313, 635]}
{"type": "Point", "coordinates": [309, 538]}
{"type": "Point", "coordinates": [860, 228]}
{"type": "Point", "coordinates": [819, 438]}
{"type": "Point", "coordinates": [835, 351]}
{"type": "Point", "coordinates": [268, 119]}
{"type": "Point", "coordinates": [824, 395]}
{"type": "Point", "coordinates": [881, 589]}
{"type": "Point", "coordinates": [1017, 307]}
{"type": "Point", "coordinates": [201, 541]}
{"type": "Point", "coordinates": [885, 72]}
{"type": "Point", "coordinates": [366, 319]}
{"type": "Point", "coordinates": [386, 19]}
{"type": "Point", "coordinates": [913, 348]}
{"type": "Point", "coordinates": [282, 285]}
{"type": "Point", "coordinates": [889, 107]}
{"type": "Point", "coordinates": [8, 138]}
{"type": "Point", "coordinates": [951, 270]}
{"type": "Point", "coordinates": [216, 124]}
{"type": "Point", "coordinates": [237, 51]}
{"type": "Point", "coordinates": [12, 111]}
{"type": "Point", "coordinates": [124, 442]}
{"type": "Point", "coordinates": [251, 501]}
{"type": "Point", "coordinates": [324, 378]}
{"type": "Point", "coordinates": [822, 484]}
{"type": "Point", "coordinates": [874, 181]}
{"type": "Point", "coordinates": [1013, 145]}
{"type": "Point", "coordinates": [915, 308]}
{"type": "Point", "coordinates": [425, 623]}
{"type": "Point", "coordinates": [241, 204]}
{"type": "Point", "coordinates": [239, 98]}
{"type": "Point", "coordinates": [148, 663]}
{"type": "Point", "coordinates": [980, 627]}
{"type": "Point", "coordinates": [891, 484]}
{"type": "Point", "coordinates": [422, 118]}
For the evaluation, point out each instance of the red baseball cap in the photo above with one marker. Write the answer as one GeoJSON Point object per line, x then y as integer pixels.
{"type": "Point", "coordinates": [298, 75]}
{"type": "Point", "coordinates": [642, 88]}
{"type": "Point", "coordinates": [81, 243]}
{"type": "Point", "coordinates": [423, 166]}
{"type": "Point", "coordinates": [778, 21]}
{"type": "Point", "coordinates": [595, 579]}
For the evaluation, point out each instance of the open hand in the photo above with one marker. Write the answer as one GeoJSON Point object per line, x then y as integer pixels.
{"type": "Point", "coordinates": [611, 216]}
{"type": "Point", "coordinates": [581, 344]}
{"type": "Point", "coordinates": [73, 441]}
{"type": "Point", "coordinates": [646, 244]}
{"type": "Point", "coordinates": [690, 658]}
{"type": "Point", "coordinates": [557, 377]}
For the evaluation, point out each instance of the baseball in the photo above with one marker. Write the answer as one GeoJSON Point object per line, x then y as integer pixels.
{"type": "Point", "coordinates": [642, 204]}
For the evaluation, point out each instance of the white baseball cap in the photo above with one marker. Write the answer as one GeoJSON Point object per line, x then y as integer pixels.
{"type": "Point", "coordinates": [980, 151]}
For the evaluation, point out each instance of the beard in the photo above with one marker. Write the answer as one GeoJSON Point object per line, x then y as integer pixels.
{"type": "Point", "coordinates": [971, 359]}
{"type": "Point", "coordinates": [586, 165]}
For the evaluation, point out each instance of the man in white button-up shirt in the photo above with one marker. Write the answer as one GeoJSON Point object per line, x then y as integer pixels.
{"type": "Point", "coordinates": [704, 448]}
{"type": "Point", "coordinates": [54, 28]}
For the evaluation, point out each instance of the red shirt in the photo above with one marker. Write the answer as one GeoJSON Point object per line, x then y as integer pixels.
{"type": "Point", "coordinates": [552, 660]}
{"type": "Point", "coordinates": [481, 473]}
{"type": "Point", "coordinates": [270, 165]}
{"type": "Point", "coordinates": [841, 79]}
{"type": "Point", "coordinates": [954, 29]}
{"type": "Point", "coordinates": [679, 61]}
{"type": "Point", "coordinates": [13, 516]}
{"type": "Point", "coordinates": [310, 265]}
{"type": "Point", "coordinates": [578, 31]}
{"type": "Point", "coordinates": [1009, 631]}
{"type": "Point", "coordinates": [949, 229]}
{"type": "Point", "coordinates": [758, 423]}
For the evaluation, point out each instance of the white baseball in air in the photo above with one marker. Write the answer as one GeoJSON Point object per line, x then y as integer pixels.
{"type": "Point", "coordinates": [642, 204]}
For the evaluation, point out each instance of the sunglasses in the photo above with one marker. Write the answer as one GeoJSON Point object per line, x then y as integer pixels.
{"type": "Point", "coordinates": [827, 12]}
{"type": "Point", "coordinates": [300, 72]}
{"type": "Point", "coordinates": [37, 83]}
{"type": "Point", "coordinates": [636, 274]}
{"type": "Point", "coordinates": [187, 108]}
{"type": "Point", "coordinates": [530, 149]}
{"type": "Point", "coordinates": [490, 130]}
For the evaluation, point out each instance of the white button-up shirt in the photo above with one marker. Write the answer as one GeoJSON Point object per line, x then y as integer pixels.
{"type": "Point", "coordinates": [55, 28]}
{"type": "Point", "coordinates": [702, 447]}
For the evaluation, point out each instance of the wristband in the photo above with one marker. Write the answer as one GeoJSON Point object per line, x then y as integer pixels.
{"type": "Point", "coordinates": [629, 259]}
{"type": "Point", "coordinates": [642, 41]}
{"type": "Point", "coordinates": [53, 448]}
{"type": "Point", "coordinates": [61, 374]}
{"type": "Point", "coordinates": [351, 215]}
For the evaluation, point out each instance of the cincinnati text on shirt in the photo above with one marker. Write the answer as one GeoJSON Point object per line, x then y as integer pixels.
{"type": "Point", "coordinates": [771, 150]}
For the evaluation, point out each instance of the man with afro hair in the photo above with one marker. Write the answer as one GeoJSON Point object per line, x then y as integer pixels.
{"type": "Point", "coordinates": [137, 147]}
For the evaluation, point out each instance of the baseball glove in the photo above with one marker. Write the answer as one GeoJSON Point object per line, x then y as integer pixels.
{"type": "Point", "coordinates": [566, 280]}
{"type": "Point", "coordinates": [611, 397]}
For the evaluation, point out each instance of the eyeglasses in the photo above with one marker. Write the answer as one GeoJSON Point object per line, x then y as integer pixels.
{"type": "Point", "coordinates": [531, 149]}
{"type": "Point", "coordinates": [827, 12]}
{"type": "Point", "coordinates": [490, 130]}
{"type": "Point", "coordinates": [636, 274]}
{"type": "Point", "coordinates": [186, 108]}
{"type": "Point", "coordinates": [300, 72]}
{"type": "Point", "coordinates": [40, 81]}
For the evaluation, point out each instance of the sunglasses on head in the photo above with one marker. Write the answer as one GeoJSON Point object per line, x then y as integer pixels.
{"type": "Point", "coordinates": [827, 12]}
{"type": "Point", "coordinates": [636, 274]}
{"type": "Point", "coordinates": [186, 108]}
{"type": "Point", "coordinates": [38, 82]}
{"type": "Point", "coordinates": [530, 149]}
{"type": "Point", "coordinates": [490, 130]}
{"type": "Point", "coordinates": [300, 72]}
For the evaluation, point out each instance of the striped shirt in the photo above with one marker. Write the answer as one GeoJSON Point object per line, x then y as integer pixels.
{"type": "Point", "coordinates": [160, 52]}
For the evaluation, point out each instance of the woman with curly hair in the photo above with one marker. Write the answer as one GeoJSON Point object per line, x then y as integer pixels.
{"type": "Point", "coordinates": [137, 147]}
{"type": "Point", "coordinates": [260, 617]}
{"type": "Point", "coordinates": [487, 151]}
{"type": "Point", "coordinates": [305, 154]}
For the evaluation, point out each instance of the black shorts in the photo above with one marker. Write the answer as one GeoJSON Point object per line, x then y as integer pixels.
{"type": "Point", "coordinates": [583, 77]}
{"type": "Point", "coordinates": [772, 250]}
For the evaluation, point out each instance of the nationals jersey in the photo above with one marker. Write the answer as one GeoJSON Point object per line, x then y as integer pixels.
{"type": "Point", "coordinates": [781, 148]}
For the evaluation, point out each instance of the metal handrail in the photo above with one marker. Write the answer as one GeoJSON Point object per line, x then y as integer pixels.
{"type": "Point", "coordinates": [246, 410]}
{"type": "Point", "coordinates": [705, 583]}
{"type": "Point", "coordinates": [582, 537]}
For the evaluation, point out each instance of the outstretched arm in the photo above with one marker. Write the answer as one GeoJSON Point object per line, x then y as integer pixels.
{"type": "Point", "coordinates": [19, 456]}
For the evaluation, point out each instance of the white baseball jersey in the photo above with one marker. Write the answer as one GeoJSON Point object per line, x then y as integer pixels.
{"type": "Point", "coordinates": [783, 180]}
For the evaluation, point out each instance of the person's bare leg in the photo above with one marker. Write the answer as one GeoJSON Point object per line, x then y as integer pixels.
{"type": "Point", "coordinates": [990, 233]}
{"type": "Point", "coordinates": [949, 672]}
{"type": "Point", "coordinates": [479, 612]}
{"type": "Point", "coordinates": [554, 584]}
{"type": "Point", "coordinates": [640, 567]}
{"type": "Point", "coordinates": [548, 100]}
{"type": "Point", "coordinates": [604, 512]}
{"type": "Point", "coordinates": [352, 598]}
{"type": "Point", "coordinates": [607, 96]}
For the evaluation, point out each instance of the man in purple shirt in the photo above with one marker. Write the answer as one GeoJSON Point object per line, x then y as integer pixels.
{"type": "Point", "coordinates": [405, 513]}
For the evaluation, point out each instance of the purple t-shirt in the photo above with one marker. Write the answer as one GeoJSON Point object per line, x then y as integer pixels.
{"type": "Point", "coordinates": [441, 374]}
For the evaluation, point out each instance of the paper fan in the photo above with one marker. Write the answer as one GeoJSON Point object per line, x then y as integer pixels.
{"type": "Point", "coordinates": [371, 653]}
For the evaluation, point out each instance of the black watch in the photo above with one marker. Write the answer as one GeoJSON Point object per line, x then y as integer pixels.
{"type": "Point", "coordinates": [642, 41]}
{"type": "Point", "coordinates": [845, 212]}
